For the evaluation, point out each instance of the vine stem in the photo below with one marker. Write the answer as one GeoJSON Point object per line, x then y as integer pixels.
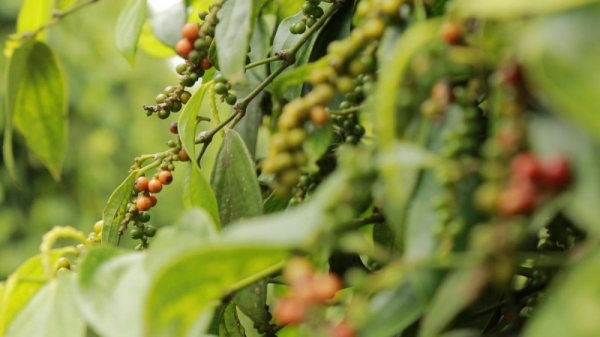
{"type": "Point", "coordinates": [263, 61]}
{"type": "Point", "coordinates": [57, 16]}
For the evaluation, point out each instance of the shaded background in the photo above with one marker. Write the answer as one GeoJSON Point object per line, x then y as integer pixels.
{"type": "Point", "coordinates": [107, 129]}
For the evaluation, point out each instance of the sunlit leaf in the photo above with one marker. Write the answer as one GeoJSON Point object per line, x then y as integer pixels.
{"type": "Point", "coordinates": [150, 45]}
{"type": "Point", "coordinates": [116, 208]}
{"type": "Point", "coordinates": [33, 14]}
{"type": "Point", "coordinates": [510, 9]}
{"type": "Point", "coordinates": [129, 27]}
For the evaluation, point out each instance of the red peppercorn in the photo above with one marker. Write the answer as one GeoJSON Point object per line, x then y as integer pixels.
{"type": "Point", "coordinates": [290, 311]}
{"type": "Point", "coordinates": [526, 166]}
{"type": "Point", "coordinates": [153, 200]}
{"type": "Point", "coordinates": [141, 183]}
{"type": "Point", "coordinates": [451, 32]}
{"type": "Point", "coordinates": [517, 200]}
{"type": "Point", "coordinates": [556, 172]}
{"type": "Point", "coordinates": [342, 330]}
{"type": "Point", "coordinates": [190, 31]}
{"type": "Point", "coordinates": [165, 177]}
{"type": "Point", "coordinates": [154, 186]}
{"type": "Point", "coordinates": [143, 203]}
{"type": "Point", "coordinates": [205, 64]}
{"type": "Point", "coordinates": [184, 47]}
{"type": "Point", "coordinates": [173, 128]}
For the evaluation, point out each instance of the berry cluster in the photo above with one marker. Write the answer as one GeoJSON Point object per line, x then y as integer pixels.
{"type": "Point", "coordinates": [194, 46]}
{"type": "Point", "coordinates": [312, 12]}
{"type": "Point", "coordinates": [223, 88]}
{"type": "Point", "coordinates": [62, 266]}
{"type": "Point", "coordinates": [307, 289]}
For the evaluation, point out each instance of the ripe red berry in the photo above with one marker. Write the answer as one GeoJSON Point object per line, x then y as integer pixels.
{"type": "Point", "coordinates": [318, 115]}
{"type": "Point", "coordinates": [165, 177]}
{"type": "Point", "coordinates": [205, 64]}
{"type": "Point", "coordinates": [184, 47]}
{"type": "Point", "coordinates": [324, 287]}
{"type": "Point", "coordinates": [190, 31]}
{"type": "Point", "coordinates": [511, 74]}
{"type": "Point", "coordinates": [143, 203]}
{"type": "Point", "coordinates": [517, 199]}
{"type": "Point", "coordinates": [154, 186]}
{"type": "Point", "coordinates": [141, 183]}
{"type": "Point", "coordinates": [290, 311]}
{"type": "Point", "coordinates": [153, 200]}
{"type": "Point", "coordinates": [342, 330]}
{"type": "Point", "coordinates": [556, 172]}
{"type": "Point", "coordinates": [526, 166]}
{"type": "Point", "coordinates": [173, 128]}
{"type": "Point", "coordinates": [183, 155]}
{"type": "Point", "coordinates": [451, 32]}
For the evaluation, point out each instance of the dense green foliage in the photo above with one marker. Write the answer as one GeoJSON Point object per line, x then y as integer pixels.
{"type": "Point", "coordinates": [332, 168]}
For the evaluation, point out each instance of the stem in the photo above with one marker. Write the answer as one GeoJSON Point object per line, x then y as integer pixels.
{"type": "Point", "coordinates": [346, 111]}
{"type": "Point", "coordinates": [263, 61]}
{"type": "Point", "coordinates": [57, 16]}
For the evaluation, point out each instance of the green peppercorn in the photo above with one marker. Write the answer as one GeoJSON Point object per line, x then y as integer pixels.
{"type": "Point", "coordinates": [221, 88]}
{"type": "Point", "coordinates": [181, 68]}
{"type": "Point", "coordinates": [164, 113]}
{"type": "Point", "coordinates": [175, 106]}
{"type": "Point", "coordinates": [184, 97]}
{"type": "Point", "coordinates": [230, 99]}
{"type": "Point", "coordinates": [160, 98]}
{"type": "Point", "coordinates": [136, 233]}
{"type": "Point", "coordinates": [150, 231]}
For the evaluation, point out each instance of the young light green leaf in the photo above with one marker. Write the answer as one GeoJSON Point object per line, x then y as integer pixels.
{"type": "Point", "coordinates": [115, 209]}
{"type": "Point", "coordinates": [51, 312]}
{"type": "Point", "coordinates": [32, 15]}
{"type": "Point", "coordinates": [198, 193]}
{"type": "Point", "coordinates": [188, 120]}
{"type": "Point", "coordinates": [511, 9]}
{"type": "Point", "coordinates": [230, 323]}
{"type": "Point", "coordinates": [129, 27]}
{"type": "Point", "coordinates": [181, 293]}
{"type": "Point", "coordinates": [150, 45]}
{"type": "Point", "coordinates": [458, 290]}
{"type": "Point", "coordinates": [236, 20]}
{"type": "Point", "coordinates": [39, 105]}
{"type": "Point", "coordinates": [111, 291]}
{"type": "Point", "coordinates": [234, 181]}
{"type": "Point", "coordinates": [19, 287]}
{"type": "Point", "coordinates": [574, 305]}
{"type": "Point", "coordinates": [213, 55]}
{"type": "Point", "coordinates": [558, 69]}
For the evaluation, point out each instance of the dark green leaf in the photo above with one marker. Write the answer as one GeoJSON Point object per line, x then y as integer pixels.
{"type": "Point", "coordinates": [112, 288]}
{"type": "Point", "coordinates": [572, 308]}
{"type": "Point", "coordinates": [180, 294]}
{"type": "Point", "coordinates": [17, 292]}
{"type": "Point", "coordinates": [457, 291]}
{"type": "Point", "coordinates": [559, 69]}
{"type": "Point", "coordinates": [129, 27]}
{"type": "Point", "coordinates": [50, 313]}
{"type": "Point", "coordinates": [188, 120]}
{"type": "Point", "coordinates": [252, 301]}
{"type": "Point", "coordinates": [116, 208]}
{"type": "Point", "coordinates": [317, 144]}
{"type": "Point", "coordinates": [198, 193]}
{"type": "Point", "coordinates": [550, 137]}
{"type": "Point", "coordinates": [236, 20]}
{"type": "Point", "coordinates": [275, 203]}
{"type": "Point", "coordinates": [38, 105]}
{"type": "Point", "coordinates": [230, 324]}
{"type": "Point", "coordinates": [166, 24]}
{"type": "Point", "coordinates": [234, 181]}
{"type": "Point", "coordinates": [213, 55]}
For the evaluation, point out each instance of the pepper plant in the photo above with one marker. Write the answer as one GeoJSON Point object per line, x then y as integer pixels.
{"type": "Point", "coordinates": [385, 168]}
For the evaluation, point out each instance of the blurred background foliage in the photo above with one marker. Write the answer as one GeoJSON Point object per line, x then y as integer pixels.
{"type": "Point", "coordinates": [107, 130]}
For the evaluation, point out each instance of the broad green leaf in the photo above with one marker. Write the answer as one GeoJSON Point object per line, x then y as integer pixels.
{"type": "Point", "coordinates": [213, 55]}
{"type": "Point", "coordinates": [252, 302]}
{"type": "Point", "coordinates": [198, 193]}
{"type": "Point", "coordinates": [458, 290]}
{"type": "Point", "coordinates": [129, 27]}
{"type": "Point", "coordinates": [551, 137]}
{"type": "Point", "coordinates": [17, 65]}
{"type": "Point", "coordinates": [196, 190]}
{"type": "Point", "coordinates": [574, 304]}
{"type": "Point", "coordinates": [230, 324]}
{"type": "Point", "coordinates": [39, 105]}
{"type": "Point", "coordinates": [196, 281]}
{"type": "Point", "coordinates": [112, 288]}
{"type": "Point", "coordinates": [317, 144]}
{"type": "Point", "coordinates": [150, 45]}
{"type": "Point", "coordinates": [511, 9]}
{"type": "Point", "coordinates": [166, 22]}
{"type": "Point", "coordinates": [195, 229]}
{"type": "Point", "coordinates": [275, 203]}
{"type": "Point", "coordinates": [50, 313]}
{"type": "Point", "coordinates": [236, 20]}
{"type": "Point", "coordinates": [559, 68]}
{"type": "Point", "coordinates": [32, 15]}
{"type": "Point", "coordinates": [234, 181]}
{"type": "Point", "coordinates": [116, 208]}
{"type": "Point", "coordinates": [22, 285]}
{"type": "Point", "coordinates": [393, 174]}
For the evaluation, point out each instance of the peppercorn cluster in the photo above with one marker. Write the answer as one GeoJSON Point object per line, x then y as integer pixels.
{"type": "Point", "coordinates": [312, 12]}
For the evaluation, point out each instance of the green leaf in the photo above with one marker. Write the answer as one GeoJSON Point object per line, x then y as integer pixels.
{"type": "Point", "coordinates": [457, 291]}
{"type": "Point", "coordinates": [550, 137]}
{"type": "Point", "coordinates": [317, 144]}
{"type": "Point", "coordinates": [166, 23]}
{"type": "Point", "coordinates": [252, 301]}
{"type": "Point", "coordinates": [236, 20]}
{"type": "Point", "coordinates": [230, 324]}
{"type": "Point", "coordinates": [37, 103]}
{"type": "Point", "coordinates": [234, 181]}
{"type": "Point", "coordinates": [32, 15]}
{"type": "Point", "coordinates": [196, 190]}
{"type": "Point", "coordinates": [116, 208]}
{"type": "Point", "coordinates": [198, 193]}
{"type": "Point", "coordinates": [20, 287]}
{"type": "Point", "coordinates": [129, 27]}
{"type": "Point", "coordinates": [150, 45]}
{"type": "Point", "coordinates": [275, 203]}
{"type": "Point", "coordinates": [181, 293]}
{"type": "Point", "coordinates": [112, 289]}
{"type": "Point", "coordinates": [293, 78]}
{"type": "Point", "coordinates": [559, 68]}
{"type": "Point", "coordinates": [51, 312]}
{"type": "Point", "coordinates": [573, 308]}
{"type": "Point", "coordinates": [213, 55]}
{"type": "Point", "coordinates": [510, 9]}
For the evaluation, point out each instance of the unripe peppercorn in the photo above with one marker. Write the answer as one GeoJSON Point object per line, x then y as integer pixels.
{"type": "Point", "coordinates": [183, 155]}
{"type": "Point", "coordinates": [165, 177]}
{"type": "Point", "coordinates": [155, 186]}
{"type": "Point", "coordinates": [184, 97]}
{"type": "Point", "coordinates": [98, 226]}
